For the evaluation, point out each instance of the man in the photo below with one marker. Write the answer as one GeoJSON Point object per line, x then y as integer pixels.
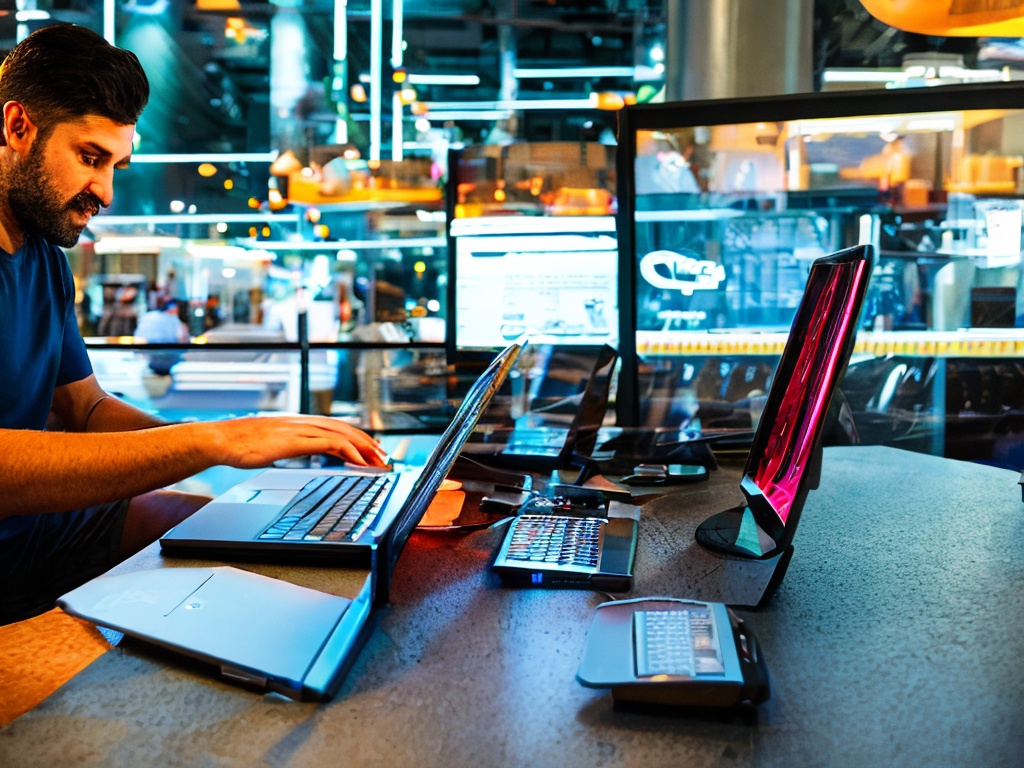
{"type": "Point", "coordinates": [163, 325]}
{"type": "Point", "coordinates": [75, 501]}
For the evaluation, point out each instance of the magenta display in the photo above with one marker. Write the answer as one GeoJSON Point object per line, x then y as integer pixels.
{"type": "Point", "coordinates": [815, 357]}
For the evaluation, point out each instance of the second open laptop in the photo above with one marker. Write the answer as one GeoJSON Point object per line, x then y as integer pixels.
{"type": "Point", "coordinates": [546, 448]}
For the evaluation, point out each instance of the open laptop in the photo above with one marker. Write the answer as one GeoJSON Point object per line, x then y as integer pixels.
{"type": "Point", "coordinates": [546, 448]}
{"type": "Point", "coordinates": [333, 516]}
{"type": "Point", "coordinates": [268, 633]}
{"type": "Point", "coordinates": [784, 461]}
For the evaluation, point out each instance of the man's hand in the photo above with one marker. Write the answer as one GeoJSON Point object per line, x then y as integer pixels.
{"type": "Point", "coordinates": [257, 441]}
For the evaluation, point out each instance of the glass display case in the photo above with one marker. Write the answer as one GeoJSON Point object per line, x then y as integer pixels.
{"type": "Point", "coordinates": [724, 204]}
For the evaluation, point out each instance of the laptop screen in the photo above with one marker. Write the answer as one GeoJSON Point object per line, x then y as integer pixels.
{"type": "Point", "coordinates": [778, 468]}
{"type": "Point", "coordinates": [443, 458]}
{"type": "Point", "coordinates": [593, 406]}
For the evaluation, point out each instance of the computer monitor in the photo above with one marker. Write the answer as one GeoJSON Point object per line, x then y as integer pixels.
{"type": "Point", "coordinates": [784, 457]}
{"type": "Point", "coordinates": [554, 278]}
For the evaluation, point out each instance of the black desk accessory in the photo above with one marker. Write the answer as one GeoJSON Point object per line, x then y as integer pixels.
{"type": "Point", "coordinates": [674, 653]}
{"type": "Point", "coordinates": [582, 538]}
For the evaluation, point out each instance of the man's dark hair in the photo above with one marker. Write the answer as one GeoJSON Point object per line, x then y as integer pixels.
{"type": "Point", "coordinates": [65, 72]}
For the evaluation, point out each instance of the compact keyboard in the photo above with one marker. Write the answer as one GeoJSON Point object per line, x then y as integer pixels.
{"type": "Point", "coordinates": [680, 642]}
{"type": "Point", "coordinates": [555, 540]}
{"type": "Point", "coordinates": [331, 508]}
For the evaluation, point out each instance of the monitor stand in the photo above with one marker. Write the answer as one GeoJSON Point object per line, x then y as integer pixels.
{"type": "Point", "coordinates": [734, 532]}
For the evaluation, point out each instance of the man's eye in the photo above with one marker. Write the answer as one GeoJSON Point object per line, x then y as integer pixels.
{"type": "Point", "coordinates": [89, 160]}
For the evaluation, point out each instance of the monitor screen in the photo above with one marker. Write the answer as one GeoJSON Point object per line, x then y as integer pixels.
{"type": "Point", "coordinates": [553, 278]}
{"type": "Point", "coordinates": [815, 356]}
{"type": "Point", "coordinates": [779, 467]}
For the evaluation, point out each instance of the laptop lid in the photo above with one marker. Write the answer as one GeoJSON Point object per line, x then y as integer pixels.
{"type": "Point", "coordinates": [589, 416]}
{"type": "Point", "coordinates": [258, 631]}
{"type": "Point", "coordinates": [440, 463]}
{"type": "Point", "coordinates": [780, 468]}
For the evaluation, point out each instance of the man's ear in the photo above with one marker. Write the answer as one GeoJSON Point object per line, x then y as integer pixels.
{"type": "Point", "coordinates": [18, 128]}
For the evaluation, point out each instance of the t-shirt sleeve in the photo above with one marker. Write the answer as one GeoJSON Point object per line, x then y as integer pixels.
{"type": "Point", "coordinates": [74, 358]}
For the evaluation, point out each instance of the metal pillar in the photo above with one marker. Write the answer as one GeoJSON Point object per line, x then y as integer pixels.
{"type": "Point", "coordinates": [732, 48]}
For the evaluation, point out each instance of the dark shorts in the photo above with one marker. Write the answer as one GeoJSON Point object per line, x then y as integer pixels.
{"type": "Point", "coordinates": [44, 556]}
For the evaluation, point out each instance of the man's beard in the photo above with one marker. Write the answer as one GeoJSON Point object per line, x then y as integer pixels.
{"type": "Point", "coordinates": [37, 206]}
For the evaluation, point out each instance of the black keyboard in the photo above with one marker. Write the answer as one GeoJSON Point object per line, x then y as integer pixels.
{"type": "Point", "coordinates": [556, 540]}
{"type": "Point", "coordinates": [331, 508]}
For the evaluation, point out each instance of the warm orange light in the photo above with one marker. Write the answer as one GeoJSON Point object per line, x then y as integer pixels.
{"type": "Point", "coordinates": [322, 231]}
{"type": "Point", "coordinates": [265, 231]}
{"type": "Point", "coordinates": [254, 203]}
{"type": "Point", "coordinates": [373, 164]}
{"type": "Point", "coordinates": [313, 215]}
{"type": "Point", "coordinates": [275, 200]}
{"type": "Point", "coordinates": [419, 267]}
{"type": "Point", "coordinates": [499, 195]}
{"type": "Point", "coordinates": [399, 75]}
{"type": "Point", "coordinates": [407, 96]}
{"type": "Point", "coordinates": [419, 109]}
{"type": "Point", "coordinates": [357, 92]}
{"type": "Point", "coordinates": [206, 170]}
{"type": "Point", "coordinates": [610, 101]}
{"type": "Point", "coordinates": [234, 29]}
{"type": "Point", "coordinates": [229, 184]}
{"type": "Point", "coordinates": [955, 18]}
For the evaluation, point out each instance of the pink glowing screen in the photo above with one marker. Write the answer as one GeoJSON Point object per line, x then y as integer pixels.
{"type": "Point", "coordinates": [816, 353]}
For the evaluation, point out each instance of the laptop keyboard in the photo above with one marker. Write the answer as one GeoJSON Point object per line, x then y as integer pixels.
{"type": "Point", "coordinates": [331, 508]}
{"type": "Point", "coordinates": [556, 540]}
{"type": "Point", "coordinates": [676, 643]}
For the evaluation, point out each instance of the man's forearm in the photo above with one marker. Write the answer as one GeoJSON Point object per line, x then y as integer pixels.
{"type": "Point", "coordinates": [111, 414]}
{"type": "Point", "coordinates": [57, 471]}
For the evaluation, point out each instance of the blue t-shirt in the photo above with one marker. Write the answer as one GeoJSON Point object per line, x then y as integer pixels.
{"type": "Point", "coordinates": [40, 345]}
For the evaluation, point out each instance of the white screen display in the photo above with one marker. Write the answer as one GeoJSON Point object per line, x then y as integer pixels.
{"type": "Point", "coordinates": [555, 278]}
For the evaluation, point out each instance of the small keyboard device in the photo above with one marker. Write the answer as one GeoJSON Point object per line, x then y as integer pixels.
{"type": "Point", "coordinates": [565, 542]}
{"type": "Point", "coordinates": [672, 652]}
{"type": "Point", "coordinates": [570, 541]}
{"type": "Point", "coordinates": [331, 508]}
